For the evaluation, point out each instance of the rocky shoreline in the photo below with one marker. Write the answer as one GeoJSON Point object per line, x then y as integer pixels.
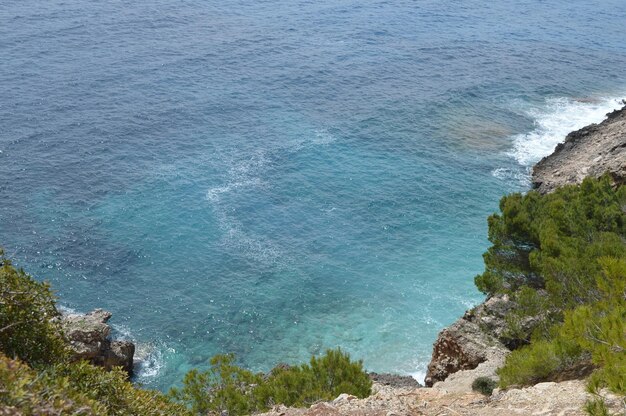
{"type": "Point", "coordinates": [474, 345]}
{"type": "Point", "coordinates": [89, 339]}
{"type": "Point", "coordinates": [591, 151]}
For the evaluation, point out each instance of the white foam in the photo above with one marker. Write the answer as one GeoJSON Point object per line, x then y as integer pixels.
{"type": "Point", "coordinates": [322, 137]}
{"type": "Point", "coordinates": [66, 310]}
{"type": "Point", "coordinates": [213, 194]}
{"type": "Point", "coordinates": [148, 361]}
{"type": "Point", "coordinates": [553, 121]}
{"type": "Point", "coordinates": [419, 375]}
{"type": "Point", "coordinates": [247, 173]}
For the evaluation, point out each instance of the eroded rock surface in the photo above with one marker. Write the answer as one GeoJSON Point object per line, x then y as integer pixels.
{"type": "Point", "coordinates": [562, 399]}
{"type": "Point", "coordinates": [88, 336]}
{"type": "Point", "coordinates": [474, 339]}
{"type": "Point", "coordinates": [590, 151]}
{"type": "Point", "coordinates": [394, 380]}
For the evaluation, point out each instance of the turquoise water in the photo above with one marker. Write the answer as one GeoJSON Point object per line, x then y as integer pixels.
{"type": "Point", "coordinates": [275, 178]}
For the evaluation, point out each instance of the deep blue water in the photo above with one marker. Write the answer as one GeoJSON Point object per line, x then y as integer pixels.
{"type": "Point", "coordinates": [273, 178]}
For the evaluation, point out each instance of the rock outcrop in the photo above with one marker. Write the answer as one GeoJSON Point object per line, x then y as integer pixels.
{"type": "Point", "coordinates": [590, 151]}
{"type": "Point", "coordinates": [564, 399]}
{"type": "Point", "coordinates": [394, 380]}
{"type": "Point", "coordinates": [477, 338]}
{"type": "Point", "coordinates": [88, 336]}
{"type": "Point", "coordinates": [474, 339]}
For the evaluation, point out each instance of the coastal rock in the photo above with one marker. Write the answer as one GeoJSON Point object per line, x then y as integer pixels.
{"type": "Point", "coordinates": [88, 337]}
{"type": "Point", "coordinates": [394, 380]}
{"type": "Point", "coordinates": [591, 151]}
{"type": "Point", "coordinates": [565, 398]}
{"type": "Point", "coordinates": [474, 339]}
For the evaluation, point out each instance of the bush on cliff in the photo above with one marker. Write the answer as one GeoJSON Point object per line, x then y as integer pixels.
{"type": "Point", "coordinates": [36, 376]}
{"type": "Point", "coordinates": [562, 258]}
{"type": "Point", "coordinates": [546, 249]}
{"type": "Point", "coordinates": [553, 241]}
{"type": "Point", "coordinates": [484, 385]}
{"type": "Point", "coordinates": [226, 388]}
{"type": "Point", "coordinates": [324, 378]}
{"type": "Point", "coordinates": [595, 331]}
{"type": "Point", "coordinates": [24, 391]}
{"type": "Point", "coordinates": [76, 388]}
{"type": "Point", "coordinates": [29, 328]}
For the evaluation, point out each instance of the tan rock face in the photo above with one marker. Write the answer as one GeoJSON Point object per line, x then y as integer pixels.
{"type": "Point", "coordinates": [590, 151]}
{"type": "Point", "coordinates": [470, 341]}
{"type": "Point", "coordinates": [88, 336]}
{"type": "Point", "coordinates": [547, 399]}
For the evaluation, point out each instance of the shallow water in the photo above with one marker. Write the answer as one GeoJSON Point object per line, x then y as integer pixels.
{"type": "Point", "coordinates": [276, 178]}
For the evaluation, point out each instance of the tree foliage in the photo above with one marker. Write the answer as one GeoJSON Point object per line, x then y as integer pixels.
{"type": "Point", "coordinates": [551, 241]}
{"type": "Point", "coordinates": [228, 389]}
{"type": "Point", "coordinates": [562, 258]}
{"type": "Point", "coordinates": [76, 389]}
{"type": "Point", "coordinates": [29, 325]}
{"type": "Point", "coordinates": [24, 391]}
{"type": "Point", "coordinates": [36, 376]}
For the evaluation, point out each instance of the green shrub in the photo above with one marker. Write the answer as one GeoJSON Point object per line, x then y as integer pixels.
{"type": "Point", "coordinates": [110, 390]}
{"type": "Point", "coordinates": [596, 407]}
{"type": "Point", "coordinates": [562, 259]}
{"type": "Point", "coordinates": [235, 391]}
{"type": "Point", "coordinates": [77, 388]}
{"type": "Point", "coordinates": [29, 328]}
{"type": "Point", "coordinates": [597, 329]}
{"type": "Point", "coordinates": [553, 241]}
{"type": "Point", "coordinates": [25, 392]}
{"type": "Point", "coordinates": [538, 362]}
{"type": "Point", "coordinates": [484, 385]}
{"type": "Point", "coordinates": [324, 378]}
{"type": "Point", "coordinates": [224, 388]}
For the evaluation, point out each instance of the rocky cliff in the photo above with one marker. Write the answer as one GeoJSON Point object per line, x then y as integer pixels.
{"type": "Point", "coordinates": [474, 346]}
{"type": "Point", "coordinates": [88, 336]}
{"type": "Point", "coordinates": [563, 399]}
{"type": "Point", "coordinates": [590, 151]}
{"type": "Point", "coordinates": [472, 340]}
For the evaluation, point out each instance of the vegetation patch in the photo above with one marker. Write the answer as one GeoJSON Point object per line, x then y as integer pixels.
{"type": "Point", "coordinates": [562, 258]}
{"type": "Point", "coordinates": [37, 377]}
{"type": "Point", "coordinates": [484, 385]}
{"type": "Point", "coordinates": [227, 388]}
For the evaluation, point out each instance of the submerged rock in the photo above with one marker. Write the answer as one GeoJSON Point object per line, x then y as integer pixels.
{"type": "Point", "coordinates": [88, 337]}
{"type": "Point", "coordinates": [591, 151]}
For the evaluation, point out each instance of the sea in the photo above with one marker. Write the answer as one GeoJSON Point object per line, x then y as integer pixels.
{"type": "Point", "coordinates": [274, 178]}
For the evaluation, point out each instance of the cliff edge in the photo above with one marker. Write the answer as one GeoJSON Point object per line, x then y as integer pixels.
{"type": "Point", "coordinates": [591, 151]}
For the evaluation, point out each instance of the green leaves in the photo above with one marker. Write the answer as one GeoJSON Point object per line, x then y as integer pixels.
{"type": "Point", "coordinates": [223, 388]}
{"type": "Point", "coordinates": [574, 244]}
{"type": "Point", "coordinates": [553, 241]}
{"type": "Point", "coordinates": [35, 375]}
{"type": "Point", "coordinates": [77, 389]}
{"type": "Point", "coordinates": [29, 329]}
{"type": "Point", "coordinates": [226, 388]}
